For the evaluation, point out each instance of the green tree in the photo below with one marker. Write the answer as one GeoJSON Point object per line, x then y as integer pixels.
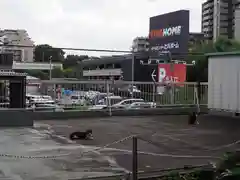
{"type": "Point", "coordinates": [69, 73]}
{"type": "Point", "coordinates": [73, 61]}
{"type": "Point", "coordinates": [38, 74]}
{"type": "Point", "coordinates": [44, 52]}
{"type": "Point", "coordinates": [199, 72]}
{"type": "Point", "coordinates": [57, 73]}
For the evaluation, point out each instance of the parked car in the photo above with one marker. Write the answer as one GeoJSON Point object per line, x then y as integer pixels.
{"type": "Point", "coordinates": [31, 99]}
{"type": "Point", "coordinates": [99, 97]}
{"type": "Point", "coordinates": [47, 107]}
{"type": "Point", "coordinates": [78, 100]}
{"type": "Point", "coordinates": [106, 102]}
{"type": "Point", "coordinates": [124, 103]}
{"type": "Point", "coordinates": [141, 105]}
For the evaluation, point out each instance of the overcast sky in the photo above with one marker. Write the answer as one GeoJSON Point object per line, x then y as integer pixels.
{"type": "Point", "coordinates": [102, 24]}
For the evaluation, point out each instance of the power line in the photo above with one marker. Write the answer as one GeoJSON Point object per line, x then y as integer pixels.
{"type": "Point", "coordinates": [70, 49]}
{"type": "Point", "coordinates": [101, 50]}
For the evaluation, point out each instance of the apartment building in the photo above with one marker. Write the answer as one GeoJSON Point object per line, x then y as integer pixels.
{"type": "Point", "coordinates": [140, 44]}
{"type": "Point", "coordinates": [11, 39]}
{"type": "Point", "coordinates": [221, 18]}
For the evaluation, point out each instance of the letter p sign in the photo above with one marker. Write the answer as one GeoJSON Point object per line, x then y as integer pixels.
{"type": "Point", "coordinates": [161, 74]}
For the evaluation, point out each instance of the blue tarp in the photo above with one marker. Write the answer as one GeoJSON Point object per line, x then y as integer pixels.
{"type": "Point", "coordinates": [67, 92]}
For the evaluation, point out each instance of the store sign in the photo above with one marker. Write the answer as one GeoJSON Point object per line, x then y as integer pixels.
{"type": "Point", "coordinates": [171, 73]}
{"type": "Point", "coordinates": [171, 31]}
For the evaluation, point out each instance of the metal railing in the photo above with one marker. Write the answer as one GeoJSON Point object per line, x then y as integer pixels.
{"type": "Point", "coordinates": [82, 95]}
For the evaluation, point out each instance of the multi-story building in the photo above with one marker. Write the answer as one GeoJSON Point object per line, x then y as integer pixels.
{"type": "Point", "coordinates": [221, 18]}
{"type": "Point", "coordinates": [140, 44]}
{"type": "Point", "coordinates": [11, 41]}
{"type": "Point", "coordinates": [237, 20]}
{"type": "Point", "coordinates": [119, 67]}
{"type": "Point", "coordinates": [207, 19]}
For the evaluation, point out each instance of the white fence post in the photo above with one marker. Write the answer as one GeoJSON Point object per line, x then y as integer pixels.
{"type": "Point", "coordinates": [153, 93]}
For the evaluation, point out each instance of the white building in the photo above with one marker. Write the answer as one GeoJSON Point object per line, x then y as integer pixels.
{"type": "Point", "coordinates": [140, 44]}
{"type": "Point", "coordinates": [9, 38]}
{"type": "Point", "coordinates": [221, 18]}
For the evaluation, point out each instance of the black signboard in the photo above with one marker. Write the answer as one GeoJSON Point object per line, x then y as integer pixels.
{"type": "Point", "coordinates": [169, 33]}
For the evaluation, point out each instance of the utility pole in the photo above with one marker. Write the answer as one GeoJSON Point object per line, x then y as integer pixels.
{"type": "Point", "coordinates": [50, 71]}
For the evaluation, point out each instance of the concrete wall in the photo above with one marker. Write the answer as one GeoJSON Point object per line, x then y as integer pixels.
{"type": "Point", "coordinates": [23, 118]}
{"type": "Point", "coordinates": [11, 118]}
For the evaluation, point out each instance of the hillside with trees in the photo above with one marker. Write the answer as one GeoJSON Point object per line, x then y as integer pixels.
{"type": "Point", "coordinates": [72, 63]}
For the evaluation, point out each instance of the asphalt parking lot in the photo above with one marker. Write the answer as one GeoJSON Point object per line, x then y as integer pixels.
{"type": "Point", "coordinates": [175, 142]}
{"type": "Point", "coordinates": [45, 151]}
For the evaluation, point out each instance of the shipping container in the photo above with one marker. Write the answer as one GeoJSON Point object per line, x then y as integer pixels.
{"type": "Point", "coordinates": [224, 81]}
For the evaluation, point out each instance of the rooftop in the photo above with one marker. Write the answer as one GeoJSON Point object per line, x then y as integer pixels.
{"type": "Point", "coordinates": [45, 152]}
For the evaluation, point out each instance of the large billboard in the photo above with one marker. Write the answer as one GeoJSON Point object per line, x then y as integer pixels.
{"type": "Point", "coordinates": [171, 73]}
{"type": "Point", "coordinates": [169, 32]}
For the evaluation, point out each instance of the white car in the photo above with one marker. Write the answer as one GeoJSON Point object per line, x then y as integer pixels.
{"type": "Point", "coordinates": [125, 103]}
{"type": "Point", "coordinates": [103, 103]}
{"type": "Point", "coordinates": [78, 100]}
{"type": "Point", "coordinates": [40, 100]}
{"type": "Point", "coordinates": [141, 105]}
{"type": "Point", "coordinates": [49, 98]}
{"type": "Point", "coordinates": [47, 107]}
